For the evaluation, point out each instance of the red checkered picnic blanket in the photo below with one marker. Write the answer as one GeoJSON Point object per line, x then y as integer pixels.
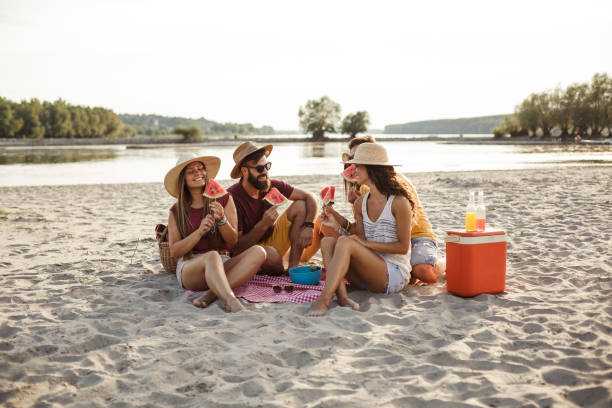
{"type": "Point", "coordinates": [259, 289]}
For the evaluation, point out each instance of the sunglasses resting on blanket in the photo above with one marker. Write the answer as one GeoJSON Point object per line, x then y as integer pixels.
{"type": "Point", "coordinates": [280, 288]}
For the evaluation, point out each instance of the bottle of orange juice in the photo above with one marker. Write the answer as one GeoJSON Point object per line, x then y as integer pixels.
{"type": "Point", "coordinates": [470, 214]}
{"type": "Point", "coordinates": [481, 212]}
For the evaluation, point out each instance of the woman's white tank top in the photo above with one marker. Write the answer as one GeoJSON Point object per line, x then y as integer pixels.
{"type": "Point", "coordinates": [385, 230]}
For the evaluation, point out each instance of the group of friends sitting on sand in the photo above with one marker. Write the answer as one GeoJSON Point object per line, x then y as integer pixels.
{"type": "Point", "coordinates": [221, 244]}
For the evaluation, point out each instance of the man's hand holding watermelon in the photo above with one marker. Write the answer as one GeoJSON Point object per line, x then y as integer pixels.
{"type": "Point", "coordinates": [270, 216]}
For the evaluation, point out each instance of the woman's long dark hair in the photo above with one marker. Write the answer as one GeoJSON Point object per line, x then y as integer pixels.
{"type": "Point", "coordinates": [388, 183]}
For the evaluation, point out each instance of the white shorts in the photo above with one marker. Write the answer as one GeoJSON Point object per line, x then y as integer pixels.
{"type": "Point", "coordinates": [181, 263]}
{"type": "Point", "coordinates": [397, 278]}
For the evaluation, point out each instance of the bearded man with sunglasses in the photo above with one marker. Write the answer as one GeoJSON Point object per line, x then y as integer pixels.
{"type": "Point", "coordinates": [261, 224]}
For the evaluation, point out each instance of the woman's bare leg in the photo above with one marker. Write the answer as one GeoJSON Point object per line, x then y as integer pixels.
{"type": "Point", "coordinates": [239, 270]}
{"type": "Point", "coordinates": [327, 250]}
{"type": "Point", "coordinates": [371, 268]}
{"type": "Point", "coordinates": [211, 266]}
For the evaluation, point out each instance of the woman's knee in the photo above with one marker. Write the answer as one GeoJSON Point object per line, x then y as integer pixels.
{"type": "Point", "coordinates": [328, 241]}
{"type": "Point", "coordinates": [258, 253]}
{"type": "Point", "coordinates": [209, 258]}
{"type": "Point", "coordinates": [345, 242]}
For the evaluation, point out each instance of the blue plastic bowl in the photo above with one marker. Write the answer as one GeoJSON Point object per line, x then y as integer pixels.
{"type": "Point", "coordinates": [305, 275]}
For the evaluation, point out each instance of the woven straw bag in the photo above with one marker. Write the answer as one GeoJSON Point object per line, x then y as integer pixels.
{"type": "Point", "coordinates": [167, 261]}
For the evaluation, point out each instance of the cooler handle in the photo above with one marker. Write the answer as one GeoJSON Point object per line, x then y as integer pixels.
{"type": "Point", "coordinates": [452, 238]}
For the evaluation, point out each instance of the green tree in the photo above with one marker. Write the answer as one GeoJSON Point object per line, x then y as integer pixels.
{"type": "Point", "coordinates": [528, 116]}
{"type": "Point", "coordinates": [189, 134]}
{"type": "Point", "coordinates": [355, 123]}
{"type": "Point", "coordinates": [9, 122]}
{"type": "Point", "coordinates": [57, 120]}
{"type": "Point", "coordinates": [510, 125]}
{"type": "Point", "coordinates": [600, 102]}
{"type": "Point", "coordinates": [319, 116]}
{"type": "Point", "coordinates": [29, 113]}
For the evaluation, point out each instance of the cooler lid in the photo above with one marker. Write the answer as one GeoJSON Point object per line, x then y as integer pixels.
{"type": "Point", "coordinates": [486, 232]}
{"type": "Point", "coordinates": [475, 237]}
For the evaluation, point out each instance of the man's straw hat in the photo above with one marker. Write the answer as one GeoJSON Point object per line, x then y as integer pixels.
{"type": "Point", "coordinates": [212, 164]}
{"type": "Point", "coordinates": [372, 154]}
{"type": "Point", "coordinates": [243, 151]}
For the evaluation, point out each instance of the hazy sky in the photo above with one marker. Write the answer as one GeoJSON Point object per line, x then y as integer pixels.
{"type": "Point", "coordinates": [258, 61]}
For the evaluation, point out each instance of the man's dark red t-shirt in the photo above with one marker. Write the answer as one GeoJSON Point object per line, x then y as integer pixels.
{"type": "Point", "coordinates": [251, 210]}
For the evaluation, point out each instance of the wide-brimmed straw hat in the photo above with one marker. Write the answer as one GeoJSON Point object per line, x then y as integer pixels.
{"type": "Point", "coordinates": [371, 154]}
{"type": "Point", "coordinates": [212, 164]}
{"type": "Point", "coordinates": [243, 151]}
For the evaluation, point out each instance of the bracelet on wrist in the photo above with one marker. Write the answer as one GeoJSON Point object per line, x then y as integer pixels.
{"type": "Point", "coordinates": [347, 225]}
{"type": "Point", "coordinates": [222, 221]}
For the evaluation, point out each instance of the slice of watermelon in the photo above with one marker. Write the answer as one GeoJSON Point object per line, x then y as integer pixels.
{"type": "Point", "coordinates": [327, 195]}
{"type": "Point", "coordinates": [274, 197]}
{"type": "Point", "coordinates": [350, 174]}
{"type": "Point", "coordinates": [214, 190]}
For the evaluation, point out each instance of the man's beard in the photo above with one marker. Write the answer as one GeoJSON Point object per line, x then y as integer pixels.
{"type": "Point", "coordinates": [260, 185]}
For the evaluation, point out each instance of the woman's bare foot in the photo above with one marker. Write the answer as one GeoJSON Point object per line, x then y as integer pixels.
{"type": "Point", "coordinates": [318, 308]}
{"type": "Point", "coordinates": [343, 299]}
{"type": "Point", "coordinates": [205, 299]}
{"type": "Point", "coordinates": [232, 306]}
{"type": "Point", "coordinates": [348, 302]}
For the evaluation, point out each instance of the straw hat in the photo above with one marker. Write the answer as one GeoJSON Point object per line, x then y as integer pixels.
{"type": "Point", "coordinates": [212, 164]}
{"type": "Point", "coordinates": [373, 154]}
{"type": "Point", "coordinates": [243, 151]}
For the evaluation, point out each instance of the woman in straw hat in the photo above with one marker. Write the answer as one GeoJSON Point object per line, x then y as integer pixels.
{"type": "Point", "coordinates": [201, 233]}
{"type": "Point", "coordinates": [426, 266]}
{"type": "Point", "coordinates": [377, 256]}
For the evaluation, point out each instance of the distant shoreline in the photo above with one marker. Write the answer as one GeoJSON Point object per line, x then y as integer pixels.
{"type": "Point", "coordinates": [163, 141]}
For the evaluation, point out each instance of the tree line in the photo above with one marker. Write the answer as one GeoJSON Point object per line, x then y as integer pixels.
{"type": "Point", "coordinates": [580, 109]}
{"type": "Point", "coordinates": [36, 120]}
{"type": "Point", "coordinates": [153, 125]}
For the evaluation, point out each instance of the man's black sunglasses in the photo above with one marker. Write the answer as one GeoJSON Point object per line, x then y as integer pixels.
{"type": "Point", "coordinates": [261, 167]}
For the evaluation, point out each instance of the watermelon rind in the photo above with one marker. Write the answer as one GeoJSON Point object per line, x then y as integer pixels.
{"type": "Point", "coordinates": [213, 190]}
{"type": "Point", "coordinates": [274, 197]}
{"type": "Point", "coordinates": [349, 174]}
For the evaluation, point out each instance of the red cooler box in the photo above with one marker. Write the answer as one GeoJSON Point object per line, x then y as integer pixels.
{"type": "Point", "coordinates": [475, 262]}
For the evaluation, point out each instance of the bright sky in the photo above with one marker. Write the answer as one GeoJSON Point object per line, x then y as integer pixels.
{"type": "Point", "coordinates": [259, 61]}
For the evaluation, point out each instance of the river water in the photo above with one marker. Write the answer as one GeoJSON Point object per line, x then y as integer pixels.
{"type": "Point", "coordinates": [20, 166]}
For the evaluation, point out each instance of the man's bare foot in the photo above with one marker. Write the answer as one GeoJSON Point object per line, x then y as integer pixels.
{"type": "Point", "coordinates": [346, 301]}
{"type": "Point", "coordinates": [232, 306]}
{"type": "Point", "coordinates": [205, 299]}
{"type": "Point", "coordinates": [318, 308]}
{"type": "Point", "coordinates": [425, 273]}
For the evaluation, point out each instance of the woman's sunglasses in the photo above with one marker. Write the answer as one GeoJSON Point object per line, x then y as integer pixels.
{"type": "Point", "coordinates": [261, 167]}
{"type": "Point", "coordinates": [279, 288]}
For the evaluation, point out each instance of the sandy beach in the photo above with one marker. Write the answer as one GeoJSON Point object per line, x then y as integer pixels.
{"type": "Point", "coordinates": [89, 318]}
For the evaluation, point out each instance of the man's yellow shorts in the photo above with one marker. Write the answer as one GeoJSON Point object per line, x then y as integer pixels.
{"type": "Point", "coordinates": [280, 237]}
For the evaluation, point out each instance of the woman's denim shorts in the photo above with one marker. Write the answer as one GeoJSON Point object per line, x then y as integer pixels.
{"type": "Point", "coordinates": [424, 251]}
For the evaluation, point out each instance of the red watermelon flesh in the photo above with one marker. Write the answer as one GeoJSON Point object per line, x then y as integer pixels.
{"type": "Point", "coordinates": [274, 197]}
{"type": "Point", "coordinates": [214, 190]}
{"type": "Point", "coordinates": [350, 174]}
{"type": "Point", "coordinates": [327, 195]}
